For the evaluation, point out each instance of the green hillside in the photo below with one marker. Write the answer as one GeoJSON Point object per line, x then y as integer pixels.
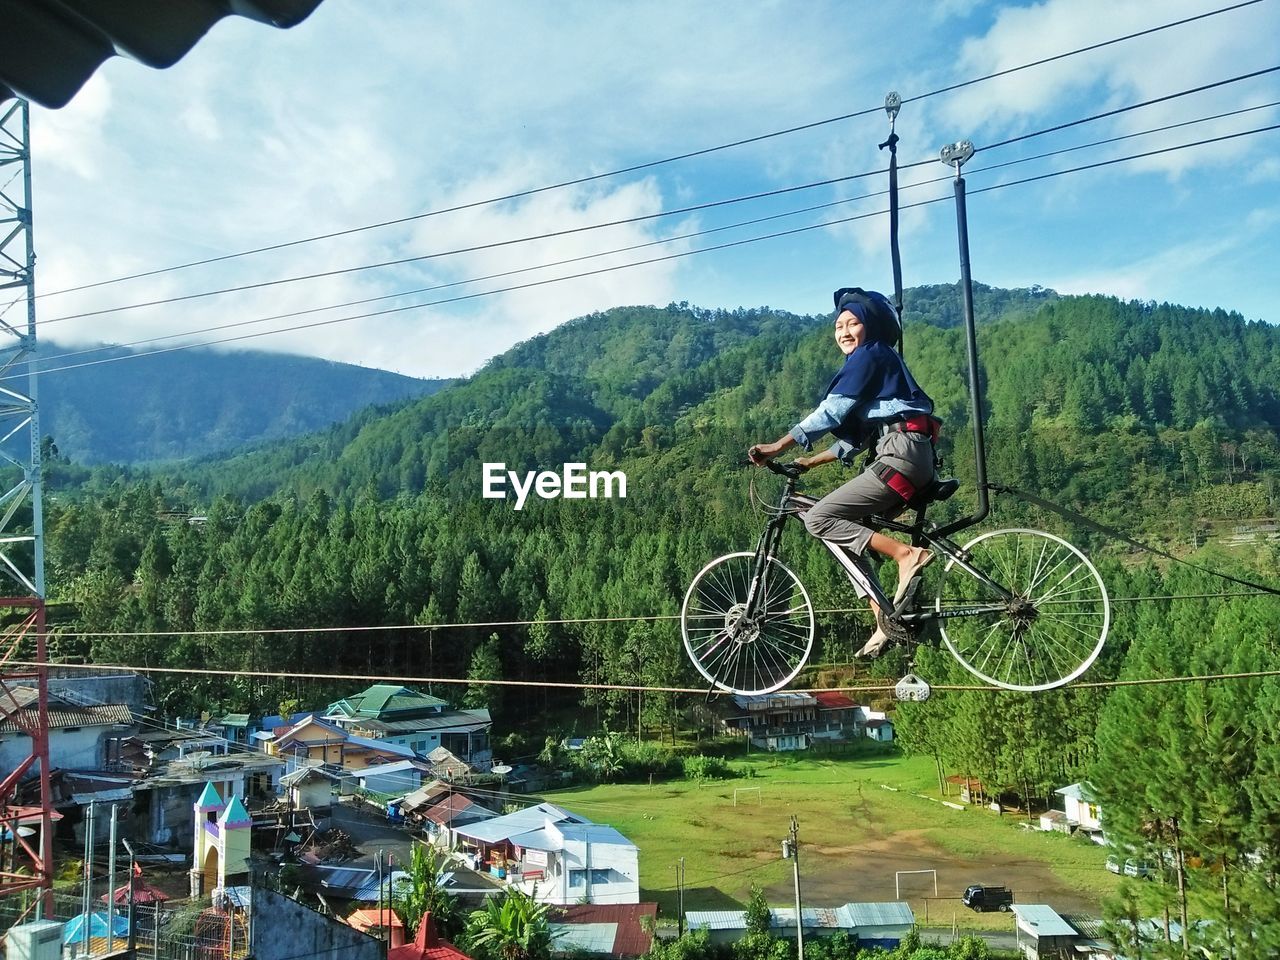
{"type": "Point", "coordinates": [192, 403]}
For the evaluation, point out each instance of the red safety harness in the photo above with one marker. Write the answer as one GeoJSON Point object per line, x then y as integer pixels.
{"type": "Point", "coordinates": [894, 479]}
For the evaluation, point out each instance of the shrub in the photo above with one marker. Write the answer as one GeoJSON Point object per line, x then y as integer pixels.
{"type": "Point", "coordinates": [707, 768]}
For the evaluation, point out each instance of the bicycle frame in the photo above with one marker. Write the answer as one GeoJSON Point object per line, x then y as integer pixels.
{"type": "Point", "coordinates": [921, 532]}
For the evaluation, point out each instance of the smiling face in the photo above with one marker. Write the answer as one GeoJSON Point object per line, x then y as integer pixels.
{"type": "Point", "coordinates": [850, 332]}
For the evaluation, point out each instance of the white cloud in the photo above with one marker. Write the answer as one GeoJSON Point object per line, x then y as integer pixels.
{"type": "Point", "coordinates": [262, 137]}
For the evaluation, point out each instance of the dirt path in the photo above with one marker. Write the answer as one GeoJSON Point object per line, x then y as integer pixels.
{"type": "Point", "coordinates": [865, 871]}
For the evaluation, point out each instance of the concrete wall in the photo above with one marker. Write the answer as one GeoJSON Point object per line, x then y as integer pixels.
{"type": "Point", "coordinates": [283, 930]}
{"type": "Point", "coordinates": [130, 688]}
{"type": "Point", "coordinates": [77, 749]}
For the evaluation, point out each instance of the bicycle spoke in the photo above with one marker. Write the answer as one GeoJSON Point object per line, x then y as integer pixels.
{"type": "Point", "coordinates": [1051, 630]}
{"type": "Point", "coordinates": [744, 653]}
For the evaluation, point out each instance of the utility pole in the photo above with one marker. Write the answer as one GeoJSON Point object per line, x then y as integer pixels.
{"type": "Point", "coordinates": [791, 851]}
{"type": "Point", "coordinates": [680, 896]}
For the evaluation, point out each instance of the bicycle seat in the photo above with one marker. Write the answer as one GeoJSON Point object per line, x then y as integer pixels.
{"type": "Point", "coordinates": [934, 492]}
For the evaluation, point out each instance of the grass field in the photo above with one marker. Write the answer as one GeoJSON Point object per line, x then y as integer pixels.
{"type": "Point", "coordinates": [854, 833]}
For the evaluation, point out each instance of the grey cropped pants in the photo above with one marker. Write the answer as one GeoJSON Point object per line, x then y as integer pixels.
{"type": "Point", "coordinates": [836, 516]}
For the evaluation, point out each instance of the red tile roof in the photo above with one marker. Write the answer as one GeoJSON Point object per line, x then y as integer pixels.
{"type": "Point", "coordinates": [446, 810]}
{"type": "Point", "coordinates": [833, 700]}
{"type": "Point", "coordinates": [427, 945]}
{"type": "Point", "coordinates": [632, 939]}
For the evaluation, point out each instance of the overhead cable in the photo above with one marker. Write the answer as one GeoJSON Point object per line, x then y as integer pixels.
{"type": "Point", "coordinates": [47, 358]}
{"type": "Point", "coordinates": [666, 160]}
{"type": "Point", "coordinates": [625, 221]}
{"type": "Point", "coordinates": [619, 687]}
{"type": "Point", "coordinates": [661, 259]}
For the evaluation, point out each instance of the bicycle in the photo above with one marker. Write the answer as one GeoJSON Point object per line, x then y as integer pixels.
{"type": "Point", "coordinates": [1018, 608]}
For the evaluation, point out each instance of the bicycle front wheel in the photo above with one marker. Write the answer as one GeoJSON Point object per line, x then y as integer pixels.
{"type": "Point", "coordinates": [1047, 634]}
{"type": "Point", "coordinates": [742, 652]}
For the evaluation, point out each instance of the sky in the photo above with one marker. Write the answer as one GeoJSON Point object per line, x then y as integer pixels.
{"type": "Point", "coordinates": [374, 110]}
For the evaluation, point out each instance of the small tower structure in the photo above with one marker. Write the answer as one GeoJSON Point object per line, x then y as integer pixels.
{"type": "Point", "coordinates": [223, 831]}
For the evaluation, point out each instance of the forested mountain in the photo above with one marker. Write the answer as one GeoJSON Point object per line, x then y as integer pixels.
{"type": "Point", "coordinates": [195, 402]}
{"type": "Point", "coordinates": [1157, 419]}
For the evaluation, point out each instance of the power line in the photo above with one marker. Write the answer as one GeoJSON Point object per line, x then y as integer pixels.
{"type": "Point", "coordinates": [496, 624]}
{"type": "Point", "coordinates": [549, 235]}
{"type": "Point", "coordinates": [694, 208]}
{"type": "Point", "coordinates": [655, 163]}
{"type": "Point", "coordinates": [627, 688]}
{"type": "Point", "coordinates": [650, 243]}
{"type": "Point", "coordinates": [665, 258]}
{"type": "Point", "coordinates": [1130, 107]}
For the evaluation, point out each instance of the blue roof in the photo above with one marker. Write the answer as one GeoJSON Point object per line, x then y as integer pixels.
{"type": "Point", "coordinates": [599, 833]}
{"type": "Point", "coordinates": [514, 824]}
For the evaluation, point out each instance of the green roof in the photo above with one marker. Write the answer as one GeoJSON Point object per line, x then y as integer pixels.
{"type": "Point", "coordinates": [235, 814]}
{"type": "Point", "coordinates": [235, 720]}
{"type": "Point", "coordinates": [382, 700]}
{"type": "Point", "coordinates": [209, 798]}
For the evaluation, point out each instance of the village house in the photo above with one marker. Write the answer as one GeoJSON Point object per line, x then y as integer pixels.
{"type": "Point", "coordinates": [77, 734]}
{"type": "Point", "coordinates": [557, 856]}
{"type": "Point", "coordinates": [1082, 811]}
{"type": "Point", "coordinates": [398, 715]}
{"type": "Point", "coordinates": [316, 742]}
{"type": "Point", "coordinates": [618, 930]}
{"type": "Point", "coordinates": [795, 721]}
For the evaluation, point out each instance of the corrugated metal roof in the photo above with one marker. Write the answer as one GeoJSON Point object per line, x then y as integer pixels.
{"type": "Point", "coordinates": [1042, 920]}
{"type": "Point", "coordinates": [512, 824]}
{"type": "Point", "coordinates": [716, 919]}
{"type": "Point", "coordinates": [877, 914]}
{"type": "Point", "coordinates": [587, 937]}
{"type": "Point", "coordinates": [629, 919]}
{"type": "Point", "coordinates": [60, 717]}
{"type": "Point", "coordinates": [49, 48]}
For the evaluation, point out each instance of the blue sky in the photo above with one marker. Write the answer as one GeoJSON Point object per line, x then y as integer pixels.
{"type": "Point", "coordinates": [373, 110]}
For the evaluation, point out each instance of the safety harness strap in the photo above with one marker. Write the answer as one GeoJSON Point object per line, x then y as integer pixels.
{"type": "Point", "coordinates": [895, 480]}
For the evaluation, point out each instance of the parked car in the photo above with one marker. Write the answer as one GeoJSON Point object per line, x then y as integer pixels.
{"type": "Point", "coordinates": [1142, 869]}
{"type": "Point", "coordinates": [982, 898]}
{"type": "Point", "coordinates": [1115, 864]}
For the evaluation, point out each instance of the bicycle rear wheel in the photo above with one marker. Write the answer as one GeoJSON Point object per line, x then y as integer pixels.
{"type": "Point", "coordinates": [741, 654]}
{"type": "Point", "coordinates": [1049, 633]}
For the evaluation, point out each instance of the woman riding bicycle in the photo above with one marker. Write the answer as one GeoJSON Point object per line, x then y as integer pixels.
{"type": "Point", "coordinates": [872, 400]}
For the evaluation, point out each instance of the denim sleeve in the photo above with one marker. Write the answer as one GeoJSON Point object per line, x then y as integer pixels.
{"type": "Point", "coordinates": [831, 412]}
{"type": "Point", "coordinates": [845, 452]}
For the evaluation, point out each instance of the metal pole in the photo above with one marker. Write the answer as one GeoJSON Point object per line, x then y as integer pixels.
{"type": "Point", "coordinates": [795, 872]}
{"type": "Point", "coordinates": [111, 880]}
{"type": "Point", "coordinates": [680, 894]}
{"type": "Point", "coordinates": [132, 868]}
{"type": "Point", "coordinates": [955, 154]}
{"type": "Point", "coordinates": [88, 876]}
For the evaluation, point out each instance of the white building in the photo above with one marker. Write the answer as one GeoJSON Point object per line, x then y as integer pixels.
{"type": "Point", "coordinates": [77, 734]}
{"type": "Point", "coordinates": [556, 856]}
{"type": "Point", "coordinates": [584, 863]}
{"type": "Point", "coordinates": [1083, 812]}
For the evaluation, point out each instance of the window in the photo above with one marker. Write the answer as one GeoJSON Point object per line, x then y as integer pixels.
{"type": "Point", "coordinates": [578, 878]}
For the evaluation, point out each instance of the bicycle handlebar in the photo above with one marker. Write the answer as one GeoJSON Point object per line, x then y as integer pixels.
{"type": "Point", "coordinates": [791, 471]}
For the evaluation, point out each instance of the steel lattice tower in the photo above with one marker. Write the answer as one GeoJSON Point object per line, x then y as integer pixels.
{"type": "Point", "coordinates": [24, 864]}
